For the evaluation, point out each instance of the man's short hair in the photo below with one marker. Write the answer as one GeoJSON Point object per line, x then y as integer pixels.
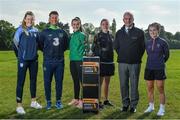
{"type": "Point", "coordinates": [53, 13]}
{"type": "Point", "coordinates": [130, 14]}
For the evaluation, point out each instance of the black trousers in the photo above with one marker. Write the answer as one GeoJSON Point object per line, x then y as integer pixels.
{"type": "Point", "coordinates": [76, 72]}
{"type": "Point", "coordinates": [22, 68]}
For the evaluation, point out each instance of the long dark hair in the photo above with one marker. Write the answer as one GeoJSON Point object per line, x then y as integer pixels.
{"type": "Point", "coordinates": [78, 19]}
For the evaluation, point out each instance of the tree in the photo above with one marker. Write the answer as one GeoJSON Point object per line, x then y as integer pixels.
{"type": "Point", "coordinates": [162, 32]}
{"type": "Point", "coordinates": [41, 26]}
{"type": "Point", "coordinates": [113, 27]}
{"type": "Point", "coordinates": [169, 36]}
{"type": "Point", "coordinates": [6, 35]}
{"type": "Point", "coordinates": [177, 36]}
{"type": "Point", "coordinates": [66, 28]}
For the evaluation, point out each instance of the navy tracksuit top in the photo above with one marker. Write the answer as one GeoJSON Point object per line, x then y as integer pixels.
{"type": "Point", "coordinates": [26, 42]}
{"type": "Point", "coordinates": [158, 53]}
{"type": "Point", "coordinates": [53, 43]}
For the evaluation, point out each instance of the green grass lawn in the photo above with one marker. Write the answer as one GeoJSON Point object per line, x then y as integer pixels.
{"type": "Point", "coordinates": [8, 71]}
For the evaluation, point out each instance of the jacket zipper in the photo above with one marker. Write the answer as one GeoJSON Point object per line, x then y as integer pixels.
{"type": "Point", "coordinates": [153, 45]}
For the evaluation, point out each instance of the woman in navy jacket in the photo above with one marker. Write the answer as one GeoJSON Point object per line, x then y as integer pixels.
{"type": "Point", "coordinates": [157, 54]}
{"type": "Point", "coordinates": [25, 41]}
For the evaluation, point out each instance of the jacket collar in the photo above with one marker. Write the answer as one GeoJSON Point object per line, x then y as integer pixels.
{"type": "Point", "coordinates": [76, 31]}
{"type": "Point", "coordinates": [124, 27]}
{"type": "Point", "coordinates": [155, 38]}
{"type": "Point", "coordinates": [104, 32]}
{"type": "Point", "coordinates": [54, 27]}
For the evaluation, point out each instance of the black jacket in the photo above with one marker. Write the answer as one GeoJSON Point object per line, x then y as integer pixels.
{"type": "Point", "coordinates": [103, 47]}
{"type": "Point", "coordinates": [129, 46]}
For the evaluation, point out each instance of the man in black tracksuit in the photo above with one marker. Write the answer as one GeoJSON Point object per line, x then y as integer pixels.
{"type": "Point", "coordinates": [54, 42]}
{"type": "Point", "coordinates": [129, 45]}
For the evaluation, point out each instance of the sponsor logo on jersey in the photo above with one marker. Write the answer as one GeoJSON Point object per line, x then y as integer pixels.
{"type": "Point", "coordinates": [56, 41]}
{"type": "Point", "coordinates": [60, 35]}
{"type": "Point", "coordinates": [158, 45]}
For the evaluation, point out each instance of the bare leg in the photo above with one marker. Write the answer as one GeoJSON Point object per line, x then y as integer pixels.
{"type": "Point", "coordinates": [106, 87]}
{"type": "Point", "coordinates": [150, 89]}
{"type": "Point", "coordinates": [160, 86]}
{"type": "Point", "coordinates": [33, 99]}
{"type": "Point", "coordinates": [101, 82]}
{"type": "Point", "coordinates": [19, 104]}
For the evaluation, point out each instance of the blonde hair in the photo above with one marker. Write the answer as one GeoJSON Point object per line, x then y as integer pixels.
{"type": "Point", "coordinates": [26, 14]}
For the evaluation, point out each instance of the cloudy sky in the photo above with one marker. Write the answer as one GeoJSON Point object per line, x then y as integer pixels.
{"type": "Point", "coordinates": [166, 12]}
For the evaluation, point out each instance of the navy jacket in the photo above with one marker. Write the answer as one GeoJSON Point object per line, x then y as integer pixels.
{"type": "Point", "coordinates": [157, 53]}
{"type": "Point", "coordinates": [129, 46]}
{"type": "Point", "coordinates": [26, 43]}
{"type": "Point", "coordinates": [53, 43]}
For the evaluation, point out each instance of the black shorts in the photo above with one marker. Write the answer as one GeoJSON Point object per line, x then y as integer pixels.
{"type": "Point", "coordinates": [106, 69]}
{"type": "Point", "coordinates": [154, 74]}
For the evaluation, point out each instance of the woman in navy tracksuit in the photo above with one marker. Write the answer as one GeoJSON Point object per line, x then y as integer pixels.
{"type": "Point", "coordinates": [157, 55]}
{"type": "Point", "coordinates": [26, 44]}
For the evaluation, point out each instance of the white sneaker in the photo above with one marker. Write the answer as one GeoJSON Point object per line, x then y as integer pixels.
{"type": "Point", "coordinates": [74, 102]}
{"type": "Point", "coordinates": [80, 104]}
{"type": "Point", "coordinates": [36, 105]}
{"type": "Point", "coordinates": [161, 112]}
{"type": "Point", "coordinates": [20, 110]}
{"type": "Point", "coordinates": [149, 109]}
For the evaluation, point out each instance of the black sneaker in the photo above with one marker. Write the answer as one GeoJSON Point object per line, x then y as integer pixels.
{"type": "Point", "coordinates": [108, 103]}
{"type": "Point", "coordinates": [124, 109]}
{"type": "Point", "coordinates": [101, 106]}
{"type": "Point", "coordinates": [133, 110]}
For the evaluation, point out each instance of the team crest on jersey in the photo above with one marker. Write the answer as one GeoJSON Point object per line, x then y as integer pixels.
{"type": "Point", "coordinates": [60, 35]}
{"type": "Point", "coordinates": [55, 41]}
{"type": "Point", "coordinates": [158, 45]}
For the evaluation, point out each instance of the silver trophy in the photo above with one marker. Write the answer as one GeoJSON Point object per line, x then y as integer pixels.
{"type": "Point", "coordinates": [89, 43]}
{"type": "Point", "coordinates": [90, 32]}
